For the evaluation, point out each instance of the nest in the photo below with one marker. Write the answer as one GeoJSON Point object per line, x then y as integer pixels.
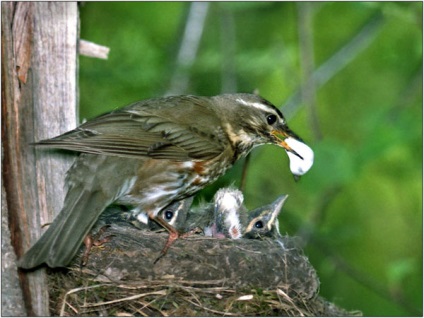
{"type": "Point", "coordinates": [198, 276]}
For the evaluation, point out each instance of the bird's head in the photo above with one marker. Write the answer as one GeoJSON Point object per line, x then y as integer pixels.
{"type": "Point", "coordinates": [250, 120]}
{"type": "Point", "coordinates": [175, 214]}
{"type": "Point", "coordinates": [227, 205]}
{"type": "Point", "coordinates": [263, 221]}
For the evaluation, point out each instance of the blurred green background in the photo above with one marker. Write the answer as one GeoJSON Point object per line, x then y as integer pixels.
{"type": "Point", "coordinates": [348, 77]}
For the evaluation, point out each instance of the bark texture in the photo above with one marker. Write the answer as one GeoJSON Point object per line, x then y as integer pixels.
{"type": "Point", "coordinates": [39, 97]}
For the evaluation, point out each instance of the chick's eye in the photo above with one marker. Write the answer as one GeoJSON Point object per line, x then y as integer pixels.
{"type": "Point", "coordinates": [259, 224]}
{"type": "Point", "coordinates": [271, 119]}
{"type": "Point", "coordinates": [168, 215]}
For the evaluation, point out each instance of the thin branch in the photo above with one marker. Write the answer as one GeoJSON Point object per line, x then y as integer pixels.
{"type": "Point", "coordinates": [189, 47]}
{"type": "Point", "coordinates": [228, 40]}
{"type": "Point", "coordinates": [306, 47]}
{"type": "Point", "coordinates": [338, 61]}
{"type": "Point", "coordinates": [243, 180]}
{"type": "Point", "coordinates": [91, 49]}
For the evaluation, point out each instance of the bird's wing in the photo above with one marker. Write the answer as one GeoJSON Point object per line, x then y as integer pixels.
{"type": "Point", "coordinates": [169, 128]}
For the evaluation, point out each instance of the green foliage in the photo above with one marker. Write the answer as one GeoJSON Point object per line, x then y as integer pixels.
{"type": "Point", "coordinates": [359, 209]}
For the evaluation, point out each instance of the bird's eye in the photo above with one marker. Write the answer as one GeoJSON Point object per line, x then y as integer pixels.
{"type": "Point", "coordinates": [259, 224]}
{"type": "Point", "coordinates": [271, 119]}
{"type": "Point", "coordinates": [168, 215]}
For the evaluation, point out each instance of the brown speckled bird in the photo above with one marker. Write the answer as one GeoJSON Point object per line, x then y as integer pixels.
{"type": "Point", "coordinates": [152, 153]}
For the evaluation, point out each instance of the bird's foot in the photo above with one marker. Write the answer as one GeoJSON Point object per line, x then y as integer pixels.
{"type": "Point", "coordinates": [196, 230]}
{"type": "Point", "coordinates": [173, 236]}
{"type": "Point", "coordinates": [90, 241]}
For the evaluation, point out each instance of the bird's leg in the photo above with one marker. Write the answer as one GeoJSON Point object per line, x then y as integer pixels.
{"type": "Point", "coordinates": [173, 235]}
{"type": "Point", "coordinates": [90, 241]}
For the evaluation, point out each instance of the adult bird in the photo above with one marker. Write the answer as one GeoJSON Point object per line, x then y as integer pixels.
{"type": "Point", "coordinates": [155, 152]}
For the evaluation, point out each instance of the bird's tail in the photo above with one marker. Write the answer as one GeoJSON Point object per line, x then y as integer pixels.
{"type": "Point", "coordinates": [89, 193]}
{"type": "Point", "coordinates": [59, 244]}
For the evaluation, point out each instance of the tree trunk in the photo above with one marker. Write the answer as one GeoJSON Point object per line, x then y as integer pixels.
{"type": "Point", "coordinates": [39, 99]}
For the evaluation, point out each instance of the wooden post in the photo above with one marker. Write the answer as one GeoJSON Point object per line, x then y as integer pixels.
{"type": "Point", "coordinates": [39, 99]}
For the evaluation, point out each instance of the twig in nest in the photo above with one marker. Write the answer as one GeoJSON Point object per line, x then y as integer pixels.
{"type": "Point", "coordinates": [160, 292]}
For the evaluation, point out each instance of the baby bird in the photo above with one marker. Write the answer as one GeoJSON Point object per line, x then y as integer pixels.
{"type": "Point", "coordinates": [219, 218]}
{"type": "Point", "coordinates": [227, 217]}
{"type": "Point", "coordinates": [263, 221]}
{"type": "Point", "coordinates": [228, 204]}
{"type": "Point", "coordinates": [174, 214]}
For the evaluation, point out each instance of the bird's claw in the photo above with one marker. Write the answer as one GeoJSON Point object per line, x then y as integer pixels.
{"type": "Point", "coordinates": [173, 236]}
{"type": "Point", "coordinates": [90, 241]}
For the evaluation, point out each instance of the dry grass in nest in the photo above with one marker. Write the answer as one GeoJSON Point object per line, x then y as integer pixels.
{"type": "Point", "coordinates": [183, 298]}
{"type": "Point", "coordinates": [197, 277]}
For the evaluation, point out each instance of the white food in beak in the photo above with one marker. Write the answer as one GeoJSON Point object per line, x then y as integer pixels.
{"type": "Point", "coordinates": [299, 166]}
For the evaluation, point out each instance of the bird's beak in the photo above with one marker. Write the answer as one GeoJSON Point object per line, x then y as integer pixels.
{"type": "Point", "coordinates": [278, 204]}
{"type": "Point", "coordinates": [281, 136]}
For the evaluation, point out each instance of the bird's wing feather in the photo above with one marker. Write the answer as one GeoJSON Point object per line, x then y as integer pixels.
{"type": "Point", "coordinates": [168, 128]}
